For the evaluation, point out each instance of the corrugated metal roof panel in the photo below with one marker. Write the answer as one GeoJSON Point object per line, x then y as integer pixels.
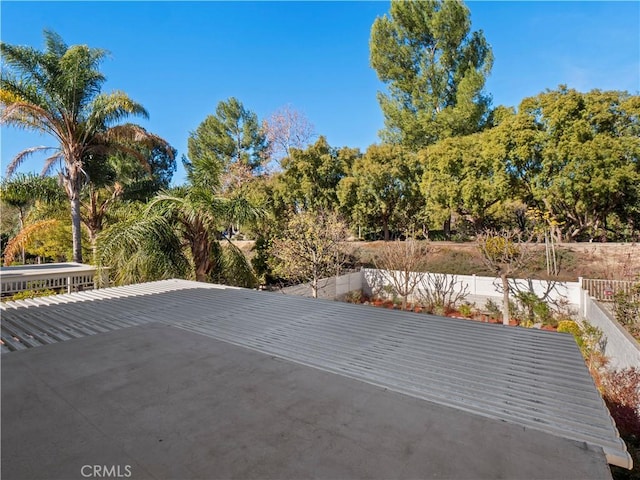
{"type": "Point", "coordinates": [529, 377]}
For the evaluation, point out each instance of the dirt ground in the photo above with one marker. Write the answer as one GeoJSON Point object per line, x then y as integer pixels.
{"type": "Point", "coordinates": [619, 261]}
{"type": "Point", "coordinates": [611, 261]}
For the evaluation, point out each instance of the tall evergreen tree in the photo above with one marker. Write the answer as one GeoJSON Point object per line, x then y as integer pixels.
{"type": "Point", "coordinates": [434, 68]}
{"type": "Point", "coordinates": [231, 141]}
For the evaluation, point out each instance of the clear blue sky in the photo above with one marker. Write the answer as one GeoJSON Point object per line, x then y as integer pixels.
{"type": "Point", "coordinates": [179, 59]}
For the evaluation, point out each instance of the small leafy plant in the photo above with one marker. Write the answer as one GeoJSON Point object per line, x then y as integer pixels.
{"type": "Point", "coordinates": [466, 309]}
{"type": "Point", "coordinates": [493, 309]}
{"type": "Point", "coordinates": [32, 294]}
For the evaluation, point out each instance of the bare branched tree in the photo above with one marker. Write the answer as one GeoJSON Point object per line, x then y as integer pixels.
{"type": "Point", "coordinates": [401, 264]}
{"type": "Point", "coordinates": [286, 129]}
{"type": "Point", "coordinates": [442, 290]}
{"type": "Point", "coordinates": [505, 252]}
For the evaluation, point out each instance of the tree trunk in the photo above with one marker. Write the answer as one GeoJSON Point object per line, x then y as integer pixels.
{"type": "Point", "coordinates": [405, 290]}
{"type": "Point", "coordinates": [200, 250]}
{"type": "Point", "coordinates": [21, 223]}
{"type": "Point", "coordinates": [93, 239]}
{"type": "Point", "coordinates": [505, 299]}
{"type": "Point", "coordinates": [447, 228]}
{"type": "Point", "coordinates": [72, 181]}
{"type": "Point", "coordinates": [93, 221]}
{"type": "Point", "coordinates": [385, 226]}
{"type": "Point", "coordinates": [76, 226]}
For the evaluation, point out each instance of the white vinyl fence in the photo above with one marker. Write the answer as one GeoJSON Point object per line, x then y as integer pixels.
{"type": "Point", "coordinates": [485, 287]}
{"type": "Point", "coordinates": [332, 288]}
{"type": "Point", "coordinates": [617, 343]}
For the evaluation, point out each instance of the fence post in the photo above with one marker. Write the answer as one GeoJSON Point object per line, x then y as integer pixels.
{"type": "Point", "coordinates": [69, 284]}
{"type": "Point", "coordinates": [581, 305]}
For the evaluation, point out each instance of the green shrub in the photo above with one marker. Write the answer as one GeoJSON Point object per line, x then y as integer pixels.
{"type": "Point", "coordinates": [626, 308]}
{"type": "Point", "coordinates": [354, 296]}
{"type": "Point", "coordinates": [514, 310]}
{"type": "Point", "coordinates": [466, 309]}
{"type": "Point", "coordinates": [493, 309]}
{"type": "Point", "coordinates": [32, 294]}
{"type": "Point", "coordinates": [569, 326]}
{"type": "Point", "coordinates": [535, 309]}
{"type": "Point", "coordinates": [439, 310]}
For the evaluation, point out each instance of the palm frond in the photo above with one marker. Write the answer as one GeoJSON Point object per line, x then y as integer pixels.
{"type": "Point", "coordinates": [143, 248]}
{"type": "Point", "coordinates": [22, 156]}
{"type": "Point", "coordinates": [23, 237]}
{"type": "Point", "coordinates": [30, 116]}
{"type": "Point", "coordinates": [240, 210]}
{"type": "Point", "coordinates": [108, 109]}
{"type": "Point", "coordinates": [76, 80]}
{"type": "Point", "coordinates": [49, 162]}
{"type": "Point", "coordinates": [54, 43]}
{"type": "Point", "coordinates": [24, 189]}
{"type": "Point", "coordinates": [8, 96]}
{"type": "Point", "coordinates": [234, 268]}
{"type": "Point", "coordinates": [26, 60]}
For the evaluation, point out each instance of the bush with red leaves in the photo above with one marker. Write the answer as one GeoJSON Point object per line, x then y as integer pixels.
{"type": "Point", "coordinates": [621, 392]}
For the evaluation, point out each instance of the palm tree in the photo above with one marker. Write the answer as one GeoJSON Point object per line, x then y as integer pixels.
{"type": "Point", "coordinates": [58, 92]}
{"type": "Point", "coordinates": [178, 231]}
{"type": "Point", "coordinates": [121, 178]}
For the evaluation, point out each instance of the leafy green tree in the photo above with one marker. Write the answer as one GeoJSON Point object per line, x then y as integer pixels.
{"type": "Point", "coordinates": [434, 68]}
{"type": "Point", "coordinates": [47, 240]}
{"type": "Point", "coordinates": [310, 248]}
{"type": "Point", "coordinates": [58, 92]}
{"type": "Point", "coordinates": [22, 192]}
{"type": "Point", "coordinates": [310, 177]}
{"type": "Point", "coordinates": [46, 230]}
{"type": "Point", "coordinates": [575, 155]}
{"type": "Point", "coordinates": [590, 168]}
{"type": "Point", "coordinates": [142, 180]}
{"type": "Point", "coordinates": [382, 192]}
{"type": "Point", "coordinates": [466, 176]}
{"type": "Point", "coordinates": [232, 141]}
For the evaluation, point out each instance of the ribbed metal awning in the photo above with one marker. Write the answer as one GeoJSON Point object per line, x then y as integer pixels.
{"type": "Point", "coordinates": [529, 377]}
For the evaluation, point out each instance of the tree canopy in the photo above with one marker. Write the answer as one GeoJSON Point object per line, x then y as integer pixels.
{"type": "Point", "coordinates": [311, 176]}
{"type": "Point", "coordinates": [576, 155]}
{"type": "Point", "coordinates": [381, 192]}
{"type": "Point", "coordinates": [434, 68]}
{"type": "Point", "coordinates": [230, 141]}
